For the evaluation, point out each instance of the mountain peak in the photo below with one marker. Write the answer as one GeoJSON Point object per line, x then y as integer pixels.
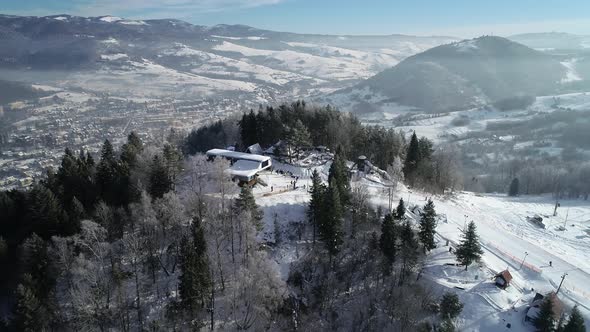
{"type": "Point", "coordinates": [465, 74]}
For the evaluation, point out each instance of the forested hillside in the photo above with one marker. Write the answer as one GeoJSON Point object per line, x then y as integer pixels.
{"type": "Point", "coordinates": [138, 238]}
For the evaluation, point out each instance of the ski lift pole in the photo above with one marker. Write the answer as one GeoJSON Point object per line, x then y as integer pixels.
{"type": "Point", "coordinates": [561, 283]}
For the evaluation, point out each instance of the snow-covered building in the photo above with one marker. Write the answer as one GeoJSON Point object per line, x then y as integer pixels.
{"type": "Point", "coordinates": [244, 166]}
{"type": "Point", "coordinates": [503, 279]}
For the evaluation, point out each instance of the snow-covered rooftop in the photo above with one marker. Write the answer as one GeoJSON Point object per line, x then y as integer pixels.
{"type": "Point", "coordinates": [237, 155]}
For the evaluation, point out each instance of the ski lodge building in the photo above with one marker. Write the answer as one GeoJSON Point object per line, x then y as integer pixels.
{"type": "Point", "coordinates": [244, 166]}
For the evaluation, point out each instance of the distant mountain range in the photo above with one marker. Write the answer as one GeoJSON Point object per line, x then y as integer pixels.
{"type": "Point", "coordinates": [172, 58]}
{"type": "Point", "coordinates": [460, 75]}
{"type": "Point", "coordinates": [553, 41]}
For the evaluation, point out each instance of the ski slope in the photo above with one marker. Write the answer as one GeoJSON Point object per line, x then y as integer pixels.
{"type": "Point", "coordinates": [507, 237]}
{"type": "Point", "coordinates": [505, 234]}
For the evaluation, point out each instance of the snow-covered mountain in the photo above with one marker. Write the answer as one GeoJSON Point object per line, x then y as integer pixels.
{"type": "Point", "coordinates": [151, 58]}
{"type": "Point", "coordinates": [460, 75]}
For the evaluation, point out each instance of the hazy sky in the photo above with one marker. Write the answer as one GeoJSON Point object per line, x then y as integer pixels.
{"type": "Point", "coordinates": [463, 18]}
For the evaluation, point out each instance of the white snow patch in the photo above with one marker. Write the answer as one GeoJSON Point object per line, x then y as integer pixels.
{"type": "Point", "coordinates": [307, 64]}
{"type": "Point", "coordinates": [111, 40]}
{"type": "Point", "coordinates": [131, 22]}
{"type": "Point", "coordinates": [112, 57]}
{"type": "Point", "coordinates": [210, 63]}
{"type": "Point", "coordinates": [571, 74]}
{"type": "Point", "coordinates": [110, 19]}
{"type": "Point", "coordinates": [466, 45]}
{"type": "Point", "coordinates": [240, 38]}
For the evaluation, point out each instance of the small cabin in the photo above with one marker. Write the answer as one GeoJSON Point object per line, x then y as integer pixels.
{"type": "Point", "coordinates": [503, 279]}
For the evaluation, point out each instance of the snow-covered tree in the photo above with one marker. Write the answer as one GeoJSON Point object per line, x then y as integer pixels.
{"type": "Point", "coordinates": [195, 279]}
{"type": "Point", "coordinates": [30, 314]}
{"type": "Point", "coordinates": [338, 176]}
{"type": "Point", "coordinates": [446, 325]}
{"type": "Point", "coordinates": [428, 226]}
{"type": "Point", "coordinates": [246, 203]}
{"type": "Point", "coordinates": [545, 321]}
{"type": "Point", "coordinates": [388, 240]}
{"type": "Point", "coordinates": [450, 306]}
{"type": "Point", "coordinates": [575, 322]}
{"type": "Point", "coordinates": [396, 171]}
{"type": "Point", "coordinates": [469, 250]}
{"type": "Point", "coordinates": [408, 250]}
{"type": "Point", "coordinates": [316, 202]}
{"type": "Point", "coordinates": [298, 137]}
{"type": "Point", "coordinates": [331, 225]}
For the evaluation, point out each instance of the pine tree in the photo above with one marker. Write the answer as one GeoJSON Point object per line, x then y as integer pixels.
{"type": "Point", "coordinates": [425, 149]}
{"type": "Point", "coordinates": [247, 203]}
{"type": "Point", "coordinates": [68, 177]}
{"type": "Point", "coordinates": [299, 137]}
{"type": "Point", "coordinates": [331, 225]}
{"type": "Point", "coordinates": [388, 240]}
{"type": "Point", "coordinates": [545, 322]}
{"type": "Point", "coordinates": [173, 161]}
{"type": "Point", "coordinates": [316, 203]}
{"type": "Point", "coordinates": [412, 159]}
{"type": "Point", "coordinates": [514, 188]}
{"type": "Point", "coordinates": [575, 322]}
{"type": "Point", "coordinates": [37, 265]}
{"type": "Point", "coordinates": [450, 306]}
{"type": "Point", "coordinates": [339, 173]}
{"type": "Point", "coordinates": [86, 171]}
{"type": "Point", "coordinates": [408, 250]}
{"type": "Point", "coordinates": [400, 211]}
{"type": "Point", "coordinates": [194, 279]}
{"type": "Point", "coordinates": [428, 226]}
{"type": "Point", "coordinates": [134, 140]}
{"type": "Point", "coordinates": [160, 182]}
{"type": "Point", "coordinates": [131, 149]}
{"type": "Point", "coordinates": [76, 213]}
{"type": "Point", "coordinates": [249, 129]}
{"type": "Point", "coordinates": [46, 215]}
{"type": "Point", "coordinates": [469, 250]}
{"type": "Point", "coordinates": [106, 174]}
{"type": "Point", "coordinates": [28, 310]}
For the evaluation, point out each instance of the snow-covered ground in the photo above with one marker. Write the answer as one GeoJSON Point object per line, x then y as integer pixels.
{"type": "Point", "coordinates": [507, 237]}
{"type": "Point", "coordinates": [571, 74]}
{"type": "Point", "coordinates": [213, 64]}
{"type": "Point", "coordinates": [505, 233]}
{"type": "Point", "coordinates": [340, 68]}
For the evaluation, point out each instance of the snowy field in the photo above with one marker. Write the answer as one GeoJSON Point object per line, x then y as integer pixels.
{"type": "Point", "coordinates": [505, 233]}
